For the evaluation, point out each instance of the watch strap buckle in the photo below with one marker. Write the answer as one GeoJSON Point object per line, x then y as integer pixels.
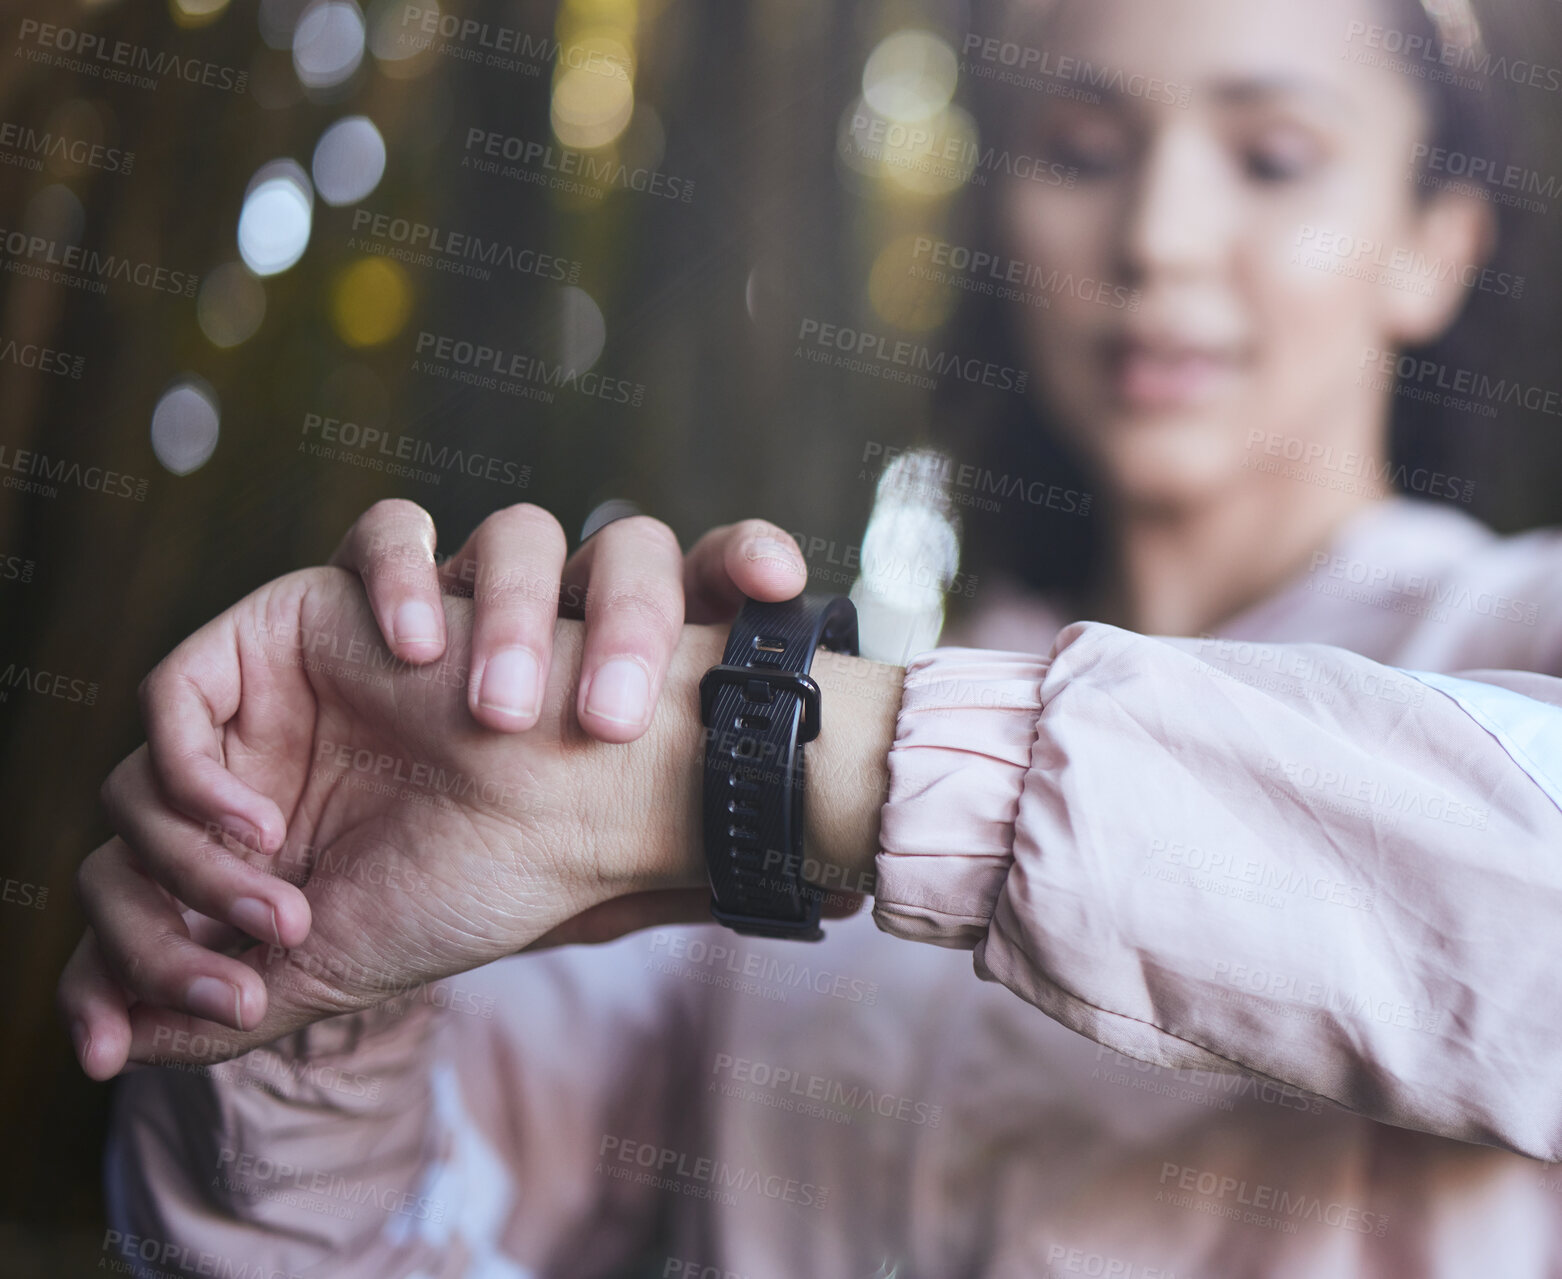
{"type": "Point", "coordinates": [796, 682]}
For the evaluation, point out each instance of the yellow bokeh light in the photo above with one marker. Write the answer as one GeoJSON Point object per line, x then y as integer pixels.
{"type": "Point", "coordinates": [906, 289]}
{"type": "Point", "coordinates": [589, 109]}
{"type": "Point", "coordinates": [196, 13]}
{"type": "Point", "coordinates": [370, 302]}
{"type": "Point", "coordinates": [577, 16]}
{"type": "Point", "coordinates": [931, 159]}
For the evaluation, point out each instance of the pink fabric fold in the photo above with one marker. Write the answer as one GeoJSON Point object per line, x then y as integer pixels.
{"type": "Point", "coordinates": [962, 744]}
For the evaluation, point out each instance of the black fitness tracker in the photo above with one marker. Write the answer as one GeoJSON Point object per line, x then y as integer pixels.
{"type": "Point", "coordinates": [759, 707]}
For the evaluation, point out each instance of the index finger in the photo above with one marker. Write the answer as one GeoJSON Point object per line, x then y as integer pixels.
{"type": "Point", "coordinates": [185, 701]}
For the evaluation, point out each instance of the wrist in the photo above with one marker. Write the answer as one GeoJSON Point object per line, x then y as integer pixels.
{"type": "Point", "coordinates": [655, 784]}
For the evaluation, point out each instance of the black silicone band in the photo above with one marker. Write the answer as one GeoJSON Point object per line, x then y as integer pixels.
{"type": "Point", "coordinates": [759, 707]}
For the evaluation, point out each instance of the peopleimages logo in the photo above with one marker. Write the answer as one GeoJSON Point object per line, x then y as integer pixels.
{"type": "Point", "coordinates": [795, 1087]}
{"type": "Point", "coordinates": [491, 44]}
{"type": "Point", "coordinates": [1239, 1193]}
{"type": "Point", "coordinates": [899, 359]}
{"type": "Point", "coordinates": [671, 1169]}
{"type": "Point", "coordinates": [1461, 173]}
{"type": "Point", "coordinates": [492, 368]}
{"type": "Point", "coordinates": [967, 484]}
{"type": "Point", "coordinates": [950, 155]}
{"type": "Point", "coordinates": [38, 257]}
{"type": "Point", "coordinates": [29, 355]}
{"type": "Point", "coordinates": [1397, 266]}
{"type": "Point", "coordinates": [59, 470]}
{"type": "Point", "coordinates": [1008, 279]}
{"type": "Point", "coordinates": [544, 164]}
{"type": "Point", "coordinates": [1023, 60]}
{"type": "Point", "coordinates": [404, 455]}
{"type": "Point", "coordinates": [1459, 387]}
{"type": "Point", "coordinates": [1437, 60]}
{"type": "Point", "coordinates": [27, 148]}
{"type": "Point", "coordinates": [421, 244]}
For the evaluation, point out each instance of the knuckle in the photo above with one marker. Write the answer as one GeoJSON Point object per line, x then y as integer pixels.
{"type": "Point", "coordinates": [395, 531]}
{"type": "Point", "coordinates": [761, 528]}
{"type": "Point", "coordinates": [510, 591]}
{"type": "Point", "coordinates": [640, 603]}
{"type": "Point", "coordinates": [527, 522]}
{"type": "Point", "coordinates": [397, 510]}
{"type": "Point", "coordinates": [646, 528]}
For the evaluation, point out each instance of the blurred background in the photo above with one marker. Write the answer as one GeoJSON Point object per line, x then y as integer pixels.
{"type": "Point", "coordinates": [267, 263]}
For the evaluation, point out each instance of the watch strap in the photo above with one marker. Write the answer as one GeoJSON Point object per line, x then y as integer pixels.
{"type": "Point", "coordinates": [759, 708]}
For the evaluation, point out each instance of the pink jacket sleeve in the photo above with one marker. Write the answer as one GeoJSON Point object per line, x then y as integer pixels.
{"type": "Point", "coordinates": [460, 1133]}
{"type": "Point", "coordinates": [1281, 859]}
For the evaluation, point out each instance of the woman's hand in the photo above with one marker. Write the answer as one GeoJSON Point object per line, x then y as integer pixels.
{"type": "Point", "coordinates": [630, 582]}
{"type": "Point", "coordinates": [305, 790]}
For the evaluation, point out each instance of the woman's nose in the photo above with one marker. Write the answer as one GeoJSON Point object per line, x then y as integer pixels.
{"type": "Point", "coordinates": [1179, 217]}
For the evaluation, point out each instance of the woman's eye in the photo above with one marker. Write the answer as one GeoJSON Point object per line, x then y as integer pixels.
{"type": "Point", "coordinates": [1092, 152]}
{"type": "Point", "coordinates": [1281, 158]}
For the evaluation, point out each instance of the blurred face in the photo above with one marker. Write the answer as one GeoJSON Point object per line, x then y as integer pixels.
{"type": "Point", "coordinates": [1221, 219]}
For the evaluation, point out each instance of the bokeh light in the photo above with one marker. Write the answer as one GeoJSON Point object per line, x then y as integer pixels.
{"type": "Point", "coordinates": [910, 76]}
{"type": "Point", "coordinates": [370, 302]}
{"type": "Point", "coordinates": [349, 160]}
{"type": "Point", "coordinates": [582, 330]}
{"type": "Point", "coordinates": [328, 43]}
{"type": "Point", "coordinates": [397, 35]}
{"type": "Point", "coordinates": [928, 159]}
{"type": "Point", "coordinates": [185, 425]}
{"type": "Point", "coordinates": [590, 109]}
{"type": "Point", "coordinates": [230, 306]}
{"type": "Point", "coordinates": [196, 13]}
{"type": "Point", "coordinates": [56, 213]}
{"type": "Point", "coordinates": [275, 221]}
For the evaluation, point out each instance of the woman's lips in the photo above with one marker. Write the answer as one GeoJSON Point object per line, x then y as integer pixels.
{"type": "Point", "coordinates": [1154, 375]}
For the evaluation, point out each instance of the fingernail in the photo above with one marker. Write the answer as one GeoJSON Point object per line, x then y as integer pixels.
{"type": "Point", "coordinates": [257, 918]}
{"type": "Point", "coordinates": [215, 1000]}
{"type": "Point", "coordinates": [240, 832]}
{"type": "Point", "coordinates": [510, 682]}
{"type": "Point", "coordinates": [620, 692]}
{"type": "Point", "coordinates": [415, 623]}
{"type": "Point", "coordinates": [770, 548]}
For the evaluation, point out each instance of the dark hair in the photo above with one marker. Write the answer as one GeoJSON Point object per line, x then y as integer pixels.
{"type": "Point", "coordinates": [1048, 545]}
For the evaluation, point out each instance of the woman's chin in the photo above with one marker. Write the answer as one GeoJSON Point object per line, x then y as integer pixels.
{"type": "Point", "coordinates": [1171, 468]}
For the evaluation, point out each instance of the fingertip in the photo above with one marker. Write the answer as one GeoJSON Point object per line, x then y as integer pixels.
{"type": "Point", "coordinates": [770, 569]}
{"type": "Point", "coordinates": [417, 632]}
{"type": "Point", "coordinates": [272, 828]}
{"type": "Point", "coordinates": [293, 920]}
{"type": "Point", "coordinates": [508, 693]}
{"type": "Point", "coordinates": [262, 827]}
{"type": "Point", "coordinates": [616, 700]}
{"type": "Point", "coordinates": [101, 1052]}
{"type": "Point", "coordinates": [241, 831]}
{"type": "Point", "coordinates": [252, 1004]}
{"type": "Point", "coordinates": [771, 582]}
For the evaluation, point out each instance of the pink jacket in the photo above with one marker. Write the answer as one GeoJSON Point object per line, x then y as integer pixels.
{"type": "Point", "coordinates": [1267, 938]}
